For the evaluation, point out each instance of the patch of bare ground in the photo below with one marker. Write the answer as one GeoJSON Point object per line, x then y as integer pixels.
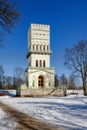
{"type": "Point", "coordinates": [25, 122]}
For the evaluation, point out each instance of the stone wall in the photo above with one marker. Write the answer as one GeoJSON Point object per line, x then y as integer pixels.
{"type": "Point", "coordinates": [40, 92]}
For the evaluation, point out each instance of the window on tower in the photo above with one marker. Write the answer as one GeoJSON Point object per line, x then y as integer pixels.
{"type": "Point", "coordinates": [40, 63]}
{"type": "Point", "coordinates": [36, 47]}
{"type": "Point", "coordinates": [44, 48]}
{"type": "Point", "coordinates": [44, 64]}
{"type": "Point", "coordinates": [40, 48]}
{"type": "Point", "coordinates": [36, 63]}
{"type": "Point", "coordinates": [33, 47]}
{"type": "Point", "coordinates": [47, 47]}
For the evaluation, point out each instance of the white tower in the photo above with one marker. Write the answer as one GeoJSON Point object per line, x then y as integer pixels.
{"type": "Point", "coordinates": [39, 74]}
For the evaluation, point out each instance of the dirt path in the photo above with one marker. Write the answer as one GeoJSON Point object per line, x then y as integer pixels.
{"type": "Point", "coordinates": [25, 122]}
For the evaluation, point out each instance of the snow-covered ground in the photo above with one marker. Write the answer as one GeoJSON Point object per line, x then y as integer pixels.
{"type": "Point", "coordinates": [67, 112]}
{"type": "Point", "coordinates": [6, 122]}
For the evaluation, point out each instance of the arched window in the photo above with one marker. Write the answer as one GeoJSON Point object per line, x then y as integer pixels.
{"type": "Point", "coordinates": [40, 82]}
{"type": "Point", "coordinates": [44, 64]}
{"type": "Point", "coordinates": [36, 63]}
{"type": "Point", "coordinates": [40, 63]}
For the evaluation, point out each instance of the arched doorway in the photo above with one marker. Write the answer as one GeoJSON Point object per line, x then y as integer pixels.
{"type": "Point", "coordinates": [40, 82]}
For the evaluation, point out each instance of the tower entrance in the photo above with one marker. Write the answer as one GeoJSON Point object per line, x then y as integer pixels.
{"type": "Point", "coordinates": [40, 82]}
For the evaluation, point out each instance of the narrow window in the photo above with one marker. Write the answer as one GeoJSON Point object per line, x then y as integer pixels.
{"type": "Point", "coordinates": [36, 63]}
{"type": "Point", "coordinates": [33, 47]}
{"type": "Point", "coordinates": [44, 48]}
{"type": "Point", "coordinates": [40, 48]}
{"type": "Point", "coordinates": [40, 63]}
{"type": "Point", "coordinates": [43, 63]}
{"type": "Point", "coordinates": [47, 47]}
{"type": "Point", "coordinates": [36, 47]}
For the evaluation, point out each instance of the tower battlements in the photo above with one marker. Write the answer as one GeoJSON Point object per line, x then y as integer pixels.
{"type": "Point", "coordinates": [40, 27]}
{"type": "Point", "coordinates": [38, 34]}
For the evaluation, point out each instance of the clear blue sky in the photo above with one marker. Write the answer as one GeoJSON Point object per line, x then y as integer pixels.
{"type": "Point", "coordinates": [68, 21]}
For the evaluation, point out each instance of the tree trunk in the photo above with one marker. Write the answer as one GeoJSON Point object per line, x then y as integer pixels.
{"type": "Point", "coordinates": [84, 87]}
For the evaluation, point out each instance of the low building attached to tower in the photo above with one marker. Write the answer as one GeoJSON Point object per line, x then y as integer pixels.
{"type": "Point", "coordinates": [39, 74]}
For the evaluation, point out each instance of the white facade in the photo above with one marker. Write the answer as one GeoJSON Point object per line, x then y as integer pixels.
{"type": "Point", "coordinates": [39, 74]}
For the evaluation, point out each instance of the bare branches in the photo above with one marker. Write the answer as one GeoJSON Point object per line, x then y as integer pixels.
{"type": "Point", "coordinates": [8, 15]}
{"type": "Point", "coordinates": [63, 80]}
{"type": "Point", "coordinates": [76, 59]}
{"type": "Point", "coordinates": [18, 75]}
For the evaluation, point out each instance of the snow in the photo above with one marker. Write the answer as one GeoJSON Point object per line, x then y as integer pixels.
{"type": "Point", "coordinates": [67, 112]}
{"type": "Point", "coordinates": [6, 122]}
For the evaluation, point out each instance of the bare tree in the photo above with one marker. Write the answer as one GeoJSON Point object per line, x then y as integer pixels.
{"type": "Point", "coordinates": [18, 76]}
{"type": "Point", "coordinates": [63, 80]}
{"type": "Point", "coordinates": [9, 15]}
{"type": "Point", "coordinates": [8, 82]}
{"type": "Point", "coordinates": [1, 75]}
{"type": "Point", "coordinates": [71, 82]}
{"type": "Point", "coordinates": [76, 60]}
{"type": "Point", "coordinates": [63, 83]}
{"type": "Point", "coordinates": [56, 81]}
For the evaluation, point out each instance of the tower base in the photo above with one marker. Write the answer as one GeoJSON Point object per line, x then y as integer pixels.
{"type": "Point", "coordinates": [39, 78]}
